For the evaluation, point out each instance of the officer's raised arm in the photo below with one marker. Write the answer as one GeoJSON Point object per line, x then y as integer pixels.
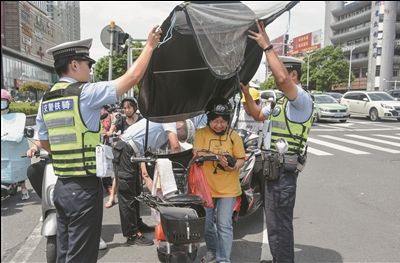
{"type": "Point", "coordinates": [135, 73]}
{"type": "Point", "coordinates": [282, 78]}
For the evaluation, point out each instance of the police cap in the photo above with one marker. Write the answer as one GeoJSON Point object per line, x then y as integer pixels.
{"type": "Point", "coordinates": [75, 49]}
{"type": "Point", "coordinates": [291, 62]}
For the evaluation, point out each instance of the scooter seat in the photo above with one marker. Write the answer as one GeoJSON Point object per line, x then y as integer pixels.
{"type": "Point", "coordinates": [184, 198]}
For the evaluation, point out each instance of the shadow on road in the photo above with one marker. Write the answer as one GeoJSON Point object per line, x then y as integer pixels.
{"type": "Point", "coordinates": [13, 204]}
{"type": "Point", "coordinates": [311, 254]}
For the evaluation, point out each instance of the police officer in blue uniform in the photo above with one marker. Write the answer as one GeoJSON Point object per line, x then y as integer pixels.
{"type": "Point", "coordinates": [73, 105]}
{"type": "Point", "coordinates": [289, 125]}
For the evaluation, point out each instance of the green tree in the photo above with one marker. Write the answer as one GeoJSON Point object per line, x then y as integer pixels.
{"type": "Point", "coordinates": [328, 68]}
{"type": "Point", "coordinates": [34, 86]}
{"type": "Point", "coordinates": [268, 84]}
{"type": "Point", "coordinates": [119, 64]}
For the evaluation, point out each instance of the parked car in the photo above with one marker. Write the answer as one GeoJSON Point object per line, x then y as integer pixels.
{"type": "Point", "coordinates": [335, 95]}
{"type": "Point", "coordinates": [395, 93]}
{"type": "Point", "coordinates": [372, 104]}
{"type": "Point", "coordinates": [271, 93]}
{"type": "Point", "coordinates": [327, 108]}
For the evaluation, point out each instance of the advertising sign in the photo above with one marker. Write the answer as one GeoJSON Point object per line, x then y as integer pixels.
{"type": "Point", "coordinates": [307, 42]}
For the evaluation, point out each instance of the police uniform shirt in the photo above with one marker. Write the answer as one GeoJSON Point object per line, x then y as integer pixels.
{"type": "Point", "coordinates": [157, 134]}
{"type": "Point", "coordinates": [298, 110]}
{"type": "Point", "coordinates": [93, 97]}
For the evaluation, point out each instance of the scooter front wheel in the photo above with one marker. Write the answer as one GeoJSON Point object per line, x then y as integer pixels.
{"type": "Point", "coordinates": [179, 254]}
{"type": "Point", "coordinates": [51, 249]}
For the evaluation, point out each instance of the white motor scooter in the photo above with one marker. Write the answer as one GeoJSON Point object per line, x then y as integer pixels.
{"type": "Point", "coordinates": [13, 144]}
{"type": "Point", "coordinates": [49, 226]}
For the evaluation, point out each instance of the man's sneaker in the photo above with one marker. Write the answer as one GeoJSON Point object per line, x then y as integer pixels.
{"type": "Point", "coordinates": [25, 194]}
{"type": "Point", "coordinates": [146, 229]}
{"type": "Point", "coordinates": [139, 240]}
{"type": "Point", "coordinates": [102, 244]}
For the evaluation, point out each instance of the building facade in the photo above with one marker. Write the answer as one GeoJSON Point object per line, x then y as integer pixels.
{"type": "Point", "coordinates": [27, 31]}
{"type": "Point", "coordinates": [369, 34]}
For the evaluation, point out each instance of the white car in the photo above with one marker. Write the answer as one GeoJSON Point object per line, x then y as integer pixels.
{"type": "Point", "coordinates": [372, 104]}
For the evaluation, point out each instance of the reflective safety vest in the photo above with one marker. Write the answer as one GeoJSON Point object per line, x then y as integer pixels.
{"type": "Point", "coordinates": [72, 144]}
{"type": "Point", "coordinates": [296, 134]}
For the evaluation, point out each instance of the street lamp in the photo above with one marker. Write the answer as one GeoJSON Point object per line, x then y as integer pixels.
{"type": "Point", "coordinates": [349, 48]}
{"type": "Point", "coordinates": [308, 68]}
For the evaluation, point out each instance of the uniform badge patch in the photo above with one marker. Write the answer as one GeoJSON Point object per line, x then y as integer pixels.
{"type": "Point", "coordinates": [59, 105]}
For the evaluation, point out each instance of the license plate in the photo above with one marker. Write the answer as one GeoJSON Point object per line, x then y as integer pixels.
{"type": "Point", "coordinates": [338, 115]}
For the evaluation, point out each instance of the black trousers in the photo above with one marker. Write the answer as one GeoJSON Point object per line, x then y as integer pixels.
{"type": "Point", "coordinates": [79, 204]}
{"type": "Point", "coordinates": [280, 195]}
{"type": "Point", "coordinates": [35, 173]}
{"type": "Point", "coordinates": [129, 186]}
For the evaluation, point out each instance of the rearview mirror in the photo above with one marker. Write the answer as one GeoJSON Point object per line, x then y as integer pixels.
{"type": "Point", "coordinates": [29, 132]}
{"type": "Point", "coordinates": [365, 99]}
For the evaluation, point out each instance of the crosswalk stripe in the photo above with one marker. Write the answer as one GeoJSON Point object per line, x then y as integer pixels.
{"type": "Point", "coordinates": [363, 144]}
{"type": "Point", "coordinates": [373, 139]}
{"type": "Point", "coordinates": [336, 146]}
{"type": "Point", "coordinates": [388, 136]}
{"type": "Point", "coordinates": [317, 152]}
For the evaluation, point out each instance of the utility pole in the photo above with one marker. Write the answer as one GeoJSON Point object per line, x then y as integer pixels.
{"type": "Point", "coordinates": [112, 29]}
{"type": "Point", "coordinates": [351, 56]}
{"type": "Point", "coordinates": [308, 69]}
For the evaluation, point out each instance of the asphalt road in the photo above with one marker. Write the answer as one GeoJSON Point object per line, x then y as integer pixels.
{"type": "Point", "coordinates": [347, 206]}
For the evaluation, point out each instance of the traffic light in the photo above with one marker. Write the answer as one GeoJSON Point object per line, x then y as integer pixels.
{"type": "Point", "coordinates": [286, 45]}
{"type": "Point", "coordinates": [122, 37]}
{"type": "Point", "coordinates": [120, 46]}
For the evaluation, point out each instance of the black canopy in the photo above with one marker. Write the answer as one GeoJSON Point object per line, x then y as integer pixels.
{"type": "Point", "coordinates": [204, 52]}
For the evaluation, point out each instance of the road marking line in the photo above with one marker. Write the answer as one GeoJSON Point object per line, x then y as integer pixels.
{"type": "Point", "coordinates": [336, 146]}
{"type": "Point", "coordinates": [29, 246]}
{"type": "Point", "coordinates": [265, 252]}
{"type": "Point", "coordinates": [350, 129]}
{"type": "Point", "coordinates": [373, 139]}
{"type": "Point", "coordinates": [387, 136]}
{"type": "Point", "coordinates": [330, 126]}
{"type": "Point", "coordinates": [317, 152]}
{"type": "Point", "coordinates": [370, 123]}
{"type": "Point", "coordinates": [363, 144]}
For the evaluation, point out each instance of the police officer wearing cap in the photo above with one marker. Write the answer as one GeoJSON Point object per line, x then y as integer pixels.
{"type": "Point", "coordinates": [68, 122]}
{"type": "Point", "coordinates": [290, 123]}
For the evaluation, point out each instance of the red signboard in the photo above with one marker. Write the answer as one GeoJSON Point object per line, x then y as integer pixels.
{"type": "Point", "coordinates": [302, 42]}
{"type": "Point", "coordinates": [307, 42]}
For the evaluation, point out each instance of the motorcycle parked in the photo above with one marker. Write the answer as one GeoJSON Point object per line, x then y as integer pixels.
{"type": "Point", "coordinates": [250, 181]}
{"type": "Point", "coordinates": [182, 216]}
{"type": "Point", "coordinates": [13, 144]}
{"type": "Point", "coordinates": [49, 226]}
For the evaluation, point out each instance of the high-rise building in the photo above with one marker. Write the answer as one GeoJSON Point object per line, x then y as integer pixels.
{"type": "Point", "coordinates": [369, 34]}
{"type": "Point", "coordinates": [41, 5]}
{"type": "Point", "coordinates": [26, 33]}
{"type": "Point", "coordinates": [28, 29]}
{"type": "Point", "coordinates": [67, 15]}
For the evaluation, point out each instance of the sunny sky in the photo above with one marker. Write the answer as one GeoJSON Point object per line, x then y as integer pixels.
{"type": "Point", "coordinates": [137, 18]}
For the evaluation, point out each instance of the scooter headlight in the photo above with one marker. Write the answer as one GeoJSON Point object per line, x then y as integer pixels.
{"type": "Point", "coordinates": [251, 143]}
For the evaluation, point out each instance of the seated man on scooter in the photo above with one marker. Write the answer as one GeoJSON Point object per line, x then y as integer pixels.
{"type": "Point", "coordinates": [129, 183]}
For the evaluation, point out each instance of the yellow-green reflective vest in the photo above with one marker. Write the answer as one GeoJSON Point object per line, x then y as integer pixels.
{"type": "Point", "coordinates": [72, 144]}
{"type": "Point", "coordinates": [296, 134]}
